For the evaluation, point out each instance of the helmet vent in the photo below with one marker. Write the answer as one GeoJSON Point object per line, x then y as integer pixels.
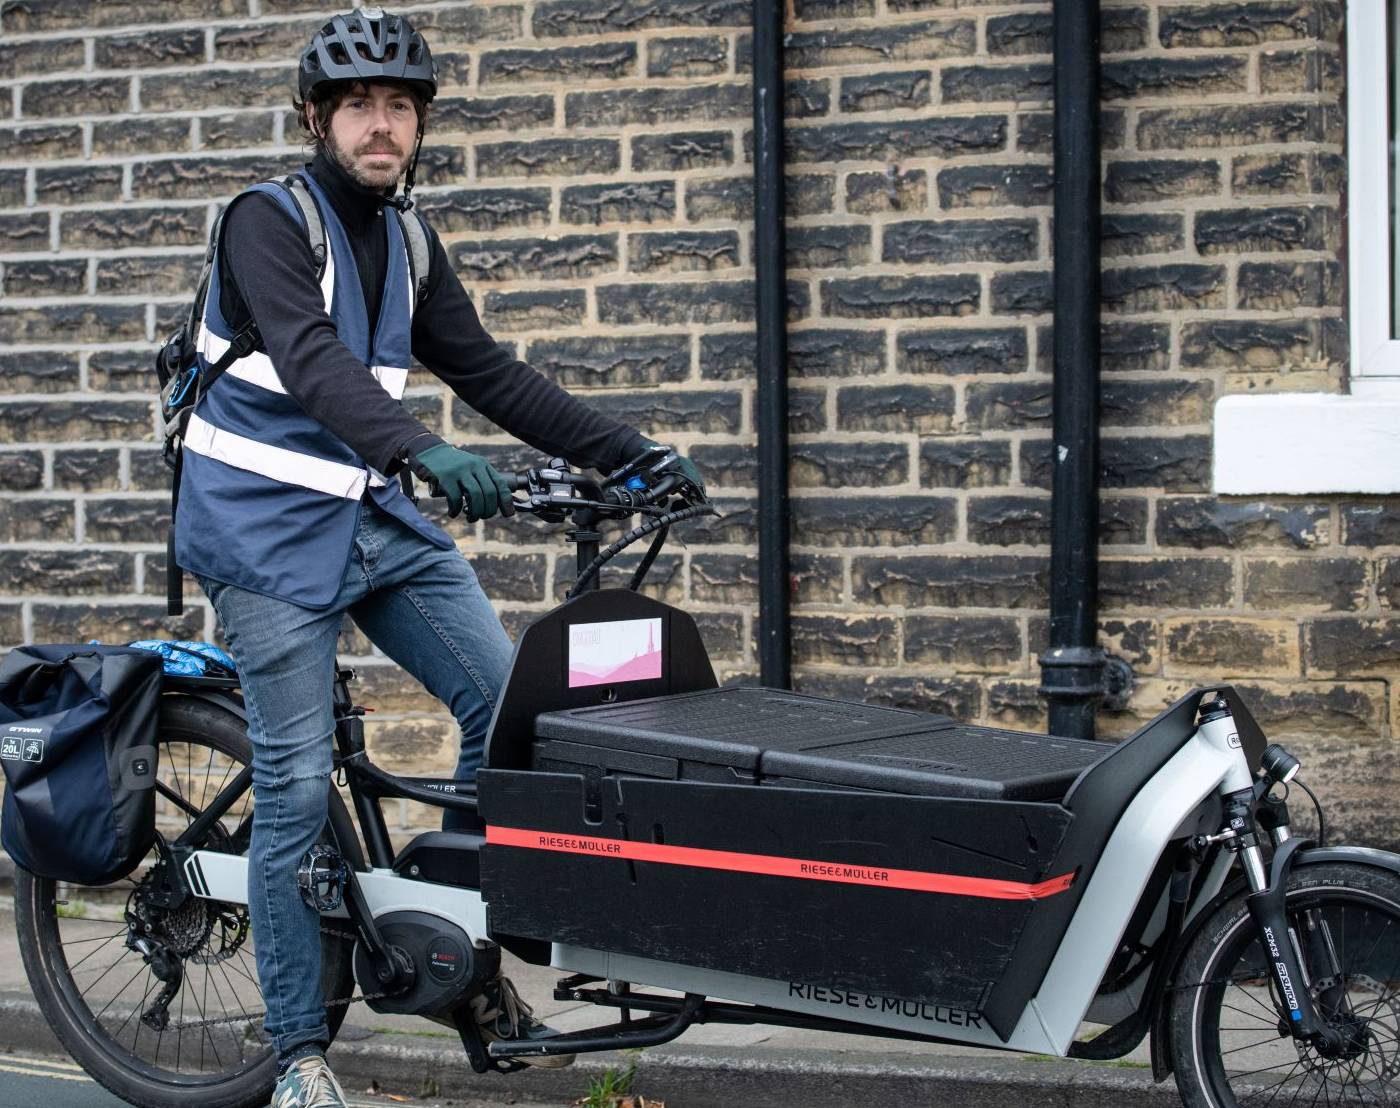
{"type": "Point", "coordinates": [338, 53]}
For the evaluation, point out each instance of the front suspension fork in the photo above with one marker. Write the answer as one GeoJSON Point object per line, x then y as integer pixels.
{"type": "Point", "coordinates": [1268, 886]}
{"type": "Point", "coordinates": [1268, 908]}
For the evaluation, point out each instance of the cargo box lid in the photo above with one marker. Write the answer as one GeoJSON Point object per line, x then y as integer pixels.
{"type": "Point", "coordinates": [731, 727]}
{"type": "Point", "coordinates": [962, 760]}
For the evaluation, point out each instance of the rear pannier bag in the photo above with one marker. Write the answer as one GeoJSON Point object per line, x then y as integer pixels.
{"type": "Point", "coordinates": [78, 746]}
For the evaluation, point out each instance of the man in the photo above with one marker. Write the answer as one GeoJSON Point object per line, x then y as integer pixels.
{"type": "Point", "coordinates": [290, 515]}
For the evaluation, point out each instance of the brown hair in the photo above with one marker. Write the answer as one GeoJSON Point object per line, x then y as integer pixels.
{"type": "Point", "coordinates": [320, 109]}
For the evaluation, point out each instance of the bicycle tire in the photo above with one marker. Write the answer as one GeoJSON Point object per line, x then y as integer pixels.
{"type": "Point", "coordinates": [149, 1072]}
{"type": "Point", "coordinates": [1347, 920]}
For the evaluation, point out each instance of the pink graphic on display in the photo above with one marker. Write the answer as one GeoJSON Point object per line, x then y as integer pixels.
{"type": "Point", "coordinates": [611, 653]}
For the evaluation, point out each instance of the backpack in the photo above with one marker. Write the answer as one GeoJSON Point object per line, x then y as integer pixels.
{"type": "Point", "coordinates": [78, 745]}
{"type": "Point", "coordinates": [182, 384]}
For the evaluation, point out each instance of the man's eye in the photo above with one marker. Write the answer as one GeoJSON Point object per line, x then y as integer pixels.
{"type": "Point", "coordinates": [400, 106]}
{"type": "Point", "coordinates": [356, 104]}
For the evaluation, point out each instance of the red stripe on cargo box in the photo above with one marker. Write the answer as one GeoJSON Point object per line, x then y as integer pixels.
{"type": "Point", "coordinates": [771, 866]}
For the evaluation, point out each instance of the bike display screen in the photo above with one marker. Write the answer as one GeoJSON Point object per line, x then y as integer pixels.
{"type": "Point", "coordinates": [615, 652]}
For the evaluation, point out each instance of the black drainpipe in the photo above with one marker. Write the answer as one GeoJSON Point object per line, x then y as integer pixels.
{"type": "Point", "coordinates": [1072, 666]}
{"type": "Point", "coordinates": [774, 655]}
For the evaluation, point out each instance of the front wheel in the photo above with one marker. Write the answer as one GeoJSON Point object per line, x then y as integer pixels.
{"type": "Point", "coordinates": [94, 989]}
{"type": "Point", "coordinates": [1230, 1043]}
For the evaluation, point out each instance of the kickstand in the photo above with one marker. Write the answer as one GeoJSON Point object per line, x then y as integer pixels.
{"type": "Point", "coordinates": [470, 1034]}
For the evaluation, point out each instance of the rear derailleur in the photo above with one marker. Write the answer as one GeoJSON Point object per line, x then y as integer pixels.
{"type": "Point", "coordinates": [168, 926]}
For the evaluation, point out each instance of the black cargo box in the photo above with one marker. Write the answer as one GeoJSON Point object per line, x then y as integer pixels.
{"type": "Point", "coordinates": [785, 836]}
{"type": "Point", "coordinates": [890, 896]}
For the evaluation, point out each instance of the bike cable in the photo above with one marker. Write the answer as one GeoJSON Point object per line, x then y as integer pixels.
{"type": "Point", "coordinates": [1317, 807]}
{"type": "Point", "coordinates": [640, 532]}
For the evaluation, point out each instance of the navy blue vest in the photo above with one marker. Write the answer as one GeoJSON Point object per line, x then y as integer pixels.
{"type": "Point", "coordinates": [269, 497]}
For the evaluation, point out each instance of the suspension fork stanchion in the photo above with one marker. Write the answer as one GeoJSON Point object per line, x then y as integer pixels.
{"type": "Point", "coordinates": [1267, 900]}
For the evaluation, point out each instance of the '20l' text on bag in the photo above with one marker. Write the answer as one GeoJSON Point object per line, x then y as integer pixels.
{"type": "Point", "coordinates": [78, 747]}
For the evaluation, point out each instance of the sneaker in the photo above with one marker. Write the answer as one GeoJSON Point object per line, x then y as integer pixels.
{"type": "Point", "coordinates": [501, 1014]}
{"type": "Point", "coordinates": [309, 1083]}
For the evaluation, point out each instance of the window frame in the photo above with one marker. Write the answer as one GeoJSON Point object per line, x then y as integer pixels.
{"type": "Point", "coordinates": [1375, 352]}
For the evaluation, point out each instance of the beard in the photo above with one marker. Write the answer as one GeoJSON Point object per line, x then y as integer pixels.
{"type": "Point", "coordinates": [381, 178]}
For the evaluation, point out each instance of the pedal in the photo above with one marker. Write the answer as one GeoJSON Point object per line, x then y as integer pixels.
{"type": "Point", "coordinates": [321, 878]}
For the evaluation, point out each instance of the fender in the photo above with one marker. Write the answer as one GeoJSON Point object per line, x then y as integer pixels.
{"type": "Point", "coordinates": [1305, 856]}
{"type": "Point", "coordinates": [219, 697]}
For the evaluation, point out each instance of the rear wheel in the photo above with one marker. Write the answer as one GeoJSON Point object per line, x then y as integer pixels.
{"type": "Point", "coordinates": [1231, 1047]}
{"type": "Point", "coordinates": [94, 989]}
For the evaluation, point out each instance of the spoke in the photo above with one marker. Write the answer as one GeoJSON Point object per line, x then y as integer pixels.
{"type": "Point", "coordinates": [1273, 1016]}
{"type": "Point", "coordinates": [219, 996]}
{"type": "Point", "coordinates": [241, 973]}
{"type": "Point", "coordinates": [170, 753]}
{"type": "Point", "coordinates": [242, 1011]}
{"type": "Point", "coordinates": [1376, 945]}
{"type": "Point", "coordinates": [1272, 1013]}
{"type": "Point", "coordinates": [66, 943]}
{"type": "Point", "coordinates": [1249, 1046]}
{"type": "Point", "coordinates": [1262, 1069]}
{"type": "Point", "coordinates": [179, 1030]}
{"type": "Point", "coordinates": [1277, 1088]}
{"type": "Point", "coordinates": [139, 1008]}
{"type": "Point", "coordinates": [97, 950]}
{"type": "Point", "coordinates": [204, 1032]}
{"type": "Point", "coordinates": [83, 995]}
{"type": "Point", "coordinates": [143, 968]}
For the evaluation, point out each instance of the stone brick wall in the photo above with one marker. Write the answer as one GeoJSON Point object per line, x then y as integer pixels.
{"type": "Point", "coordinates": [590, 169]}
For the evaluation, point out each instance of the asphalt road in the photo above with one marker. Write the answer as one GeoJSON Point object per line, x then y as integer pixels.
{"type": "Point", "coordinates": [27, 1081]}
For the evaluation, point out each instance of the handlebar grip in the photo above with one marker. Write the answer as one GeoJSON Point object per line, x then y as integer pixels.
{"type": "Point", "coordinates": [516, 481]}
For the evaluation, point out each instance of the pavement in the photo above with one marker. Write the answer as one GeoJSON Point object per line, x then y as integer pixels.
{"type": "Point", "coordinates": [711, 1066]}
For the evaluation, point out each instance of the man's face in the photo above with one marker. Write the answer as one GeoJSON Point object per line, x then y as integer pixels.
{"type": "Point", "coordinates": [372, 134]}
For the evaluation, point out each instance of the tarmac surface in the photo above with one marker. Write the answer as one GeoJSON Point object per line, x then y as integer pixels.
{"type": "Point", "coordinates": [711, 1066]}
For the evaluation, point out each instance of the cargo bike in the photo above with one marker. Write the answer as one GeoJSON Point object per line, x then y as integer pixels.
{"type": "Point", "coordinates": [684, 853]}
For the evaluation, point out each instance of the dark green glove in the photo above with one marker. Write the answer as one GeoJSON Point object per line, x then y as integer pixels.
{"type": "Point", "coordinates": [683, 466]}
{"type": "Point", "coordinates": [467, 480]}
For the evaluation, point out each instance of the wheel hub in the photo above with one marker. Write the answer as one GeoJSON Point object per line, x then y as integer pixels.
{"type": "Point", "coordinates": [1368, 1053]}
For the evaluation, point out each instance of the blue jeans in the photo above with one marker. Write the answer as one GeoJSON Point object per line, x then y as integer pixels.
{"type": "Point", "coordinates": [425, 609]}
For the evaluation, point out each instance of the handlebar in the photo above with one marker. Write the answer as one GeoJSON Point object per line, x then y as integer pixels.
{"type": "Point", "coordinates": [555, 491]}
{"type": "Point", "coordinates": [641, 487]}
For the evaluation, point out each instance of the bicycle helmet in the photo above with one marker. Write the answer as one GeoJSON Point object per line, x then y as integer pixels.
{"type": "Point", "coordinates": [366, 45]}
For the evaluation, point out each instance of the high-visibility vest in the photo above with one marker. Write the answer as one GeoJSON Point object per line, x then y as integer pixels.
{"type": "Point", "coordinates": [269, 497]}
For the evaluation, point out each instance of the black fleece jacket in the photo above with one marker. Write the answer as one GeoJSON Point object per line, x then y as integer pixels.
{"type": "Point", "coordinates": [267, 270]}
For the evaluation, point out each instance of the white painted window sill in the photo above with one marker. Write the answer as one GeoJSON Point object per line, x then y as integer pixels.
{"type": "Point", "coordinates": [1305, 443]}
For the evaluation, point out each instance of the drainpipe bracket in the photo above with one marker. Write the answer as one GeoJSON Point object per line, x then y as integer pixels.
{"type": "Point", "coordinates": [1117, 682]}
{"type": "Point", "coordinates": [1081, 673]}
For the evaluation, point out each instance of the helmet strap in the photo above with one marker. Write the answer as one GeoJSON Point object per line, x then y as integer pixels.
{"type": "Point", "coordinates": [405, 202]}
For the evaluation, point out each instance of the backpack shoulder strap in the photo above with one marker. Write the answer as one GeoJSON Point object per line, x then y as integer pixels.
{"type": "Point", "coordinates": [419, 256]}
{"type": "Point", "coordinates": [296, 188]}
